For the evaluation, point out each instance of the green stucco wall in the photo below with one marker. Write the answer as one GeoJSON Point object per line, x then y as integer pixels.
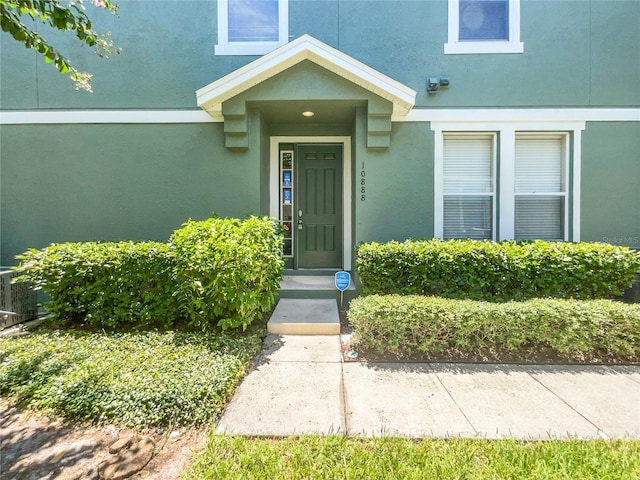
{"type": "Point", "coordinates": [611, 183]}
{"type": "Point", "coordinates": [111, 182]}
{"type": "Point", "coordinates": [115, 181]}
{"type": "Point", "coordinates": [398, 200]}
{"type": "Point", "coordinates": [576, 53]}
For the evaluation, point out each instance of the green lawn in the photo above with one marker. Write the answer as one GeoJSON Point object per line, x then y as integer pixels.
{"type": "Point", "coordinates": [139, 379]}
{"type": "Point", "coordinates": [387, 458]}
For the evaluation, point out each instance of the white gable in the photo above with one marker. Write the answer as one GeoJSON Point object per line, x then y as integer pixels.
{"type": "Point", "coordinates": [210, 97]}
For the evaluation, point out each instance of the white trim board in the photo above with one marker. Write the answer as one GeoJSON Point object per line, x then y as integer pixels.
{"type": "Point", "coordinates": [274, 184]}
{"type": "Point", "coordinates": [523, 115]}
{"type": "Point", "coordinates": [103, 116]}
{"type": "Point", "coordinates": [467, 115]}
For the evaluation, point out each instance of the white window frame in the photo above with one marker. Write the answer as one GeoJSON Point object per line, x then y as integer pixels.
{"type": "Point", "coordinates": [225, 47]}
{"type": "Point", "coordinates": [566, 152]}
{"type": "Point", "coordinates": [456, 47]}
{"type": "Point", "coordinates": [505, 186]}
{"type": "Point", "coordinates": [493, 138]}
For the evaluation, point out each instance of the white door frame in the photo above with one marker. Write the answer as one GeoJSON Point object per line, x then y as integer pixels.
{"type": "Point", "coordinates": [274, 183]}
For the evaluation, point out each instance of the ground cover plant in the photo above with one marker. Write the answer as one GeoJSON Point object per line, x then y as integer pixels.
{"type": "Point", "coordinates": [388, 458]}
{"type": "Point", "coordinates": [139, 379]}
{"type": "Point", "coordinates": [413, 325]}
{"type": "Point", "coordinates": [496, 271]}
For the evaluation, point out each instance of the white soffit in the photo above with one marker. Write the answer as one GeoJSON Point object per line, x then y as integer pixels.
{"type": "Point", "coordinates": [306, 47]}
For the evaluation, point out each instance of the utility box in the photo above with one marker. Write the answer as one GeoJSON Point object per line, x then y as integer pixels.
{"type": "Point", "coordinates": [18, 302]}
{"type": "Point", "coordinates": [632, 295]}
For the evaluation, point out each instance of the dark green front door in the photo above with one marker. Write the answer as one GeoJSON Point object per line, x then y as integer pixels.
{"type": "Point", "coordinates": [319, 206]}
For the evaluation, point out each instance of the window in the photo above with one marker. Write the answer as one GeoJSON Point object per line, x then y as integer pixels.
{"type": "Point", "coordinates": [251, 27]}
{"type": "Point", "coordinates": [506, 183]}
{"type": "Point", "coordinates": [484, 26]}
{"type": "Point", "coordinates": [468, 186]}
{"type": "Point", "coordinates": [540, 187]}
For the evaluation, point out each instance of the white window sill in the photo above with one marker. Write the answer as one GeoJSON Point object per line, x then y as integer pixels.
{"type": "Point", "coordinates": [464, 48]}
{"type": "Point", "coordinates": [248, 48]}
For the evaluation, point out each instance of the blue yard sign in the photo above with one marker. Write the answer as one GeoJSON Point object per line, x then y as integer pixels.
{"type": "Point", "coordinates": [343, 280]}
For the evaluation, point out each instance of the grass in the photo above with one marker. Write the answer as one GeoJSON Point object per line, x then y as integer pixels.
{"type": "Point", "coordinates": [139, 379]}
{"type": "Point", "coordinates": [388, 458]}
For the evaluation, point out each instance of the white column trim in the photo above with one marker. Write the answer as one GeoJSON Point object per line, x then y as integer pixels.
{"type": "Point", "coordinates": [577, 176]}
{"type": "Point", "coordinates": [438, 183]}
{"type": "Point", "coordinates": [274, 184]}
{"type": "Point", "coordinates": [505, 194]}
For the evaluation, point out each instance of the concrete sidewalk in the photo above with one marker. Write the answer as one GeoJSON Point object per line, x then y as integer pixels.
{"type": "Point", "coordinates": [301, 385]}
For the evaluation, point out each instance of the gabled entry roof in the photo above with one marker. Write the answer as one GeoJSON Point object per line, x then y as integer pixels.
{"type": "Point", "coordinates": [211, 97]}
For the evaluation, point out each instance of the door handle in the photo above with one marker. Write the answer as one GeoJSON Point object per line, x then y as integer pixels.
{"type": "Point", "coordinates": [299, 224]}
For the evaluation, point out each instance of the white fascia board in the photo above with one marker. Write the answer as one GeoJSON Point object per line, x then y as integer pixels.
{"type": "Point", "coordinates": [211, 96]}
{"type": "Point", "coordinates": [528, 115]}
{"type": "Point", "coordinates": [104, 116]}
{"type": "Point", "coordinates": [462, 118]}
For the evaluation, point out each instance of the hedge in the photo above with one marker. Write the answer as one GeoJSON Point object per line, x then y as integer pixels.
{"type": "Point", "coordinates": [417, 325]}
{"type": "Point", "coordinates": [496, 271]}
{"type": "Point", "coordinates": [228, 269]}
{"type": "Point", "coordinates": [223, 272]}
{"type": "Point", "coordinates": [105, 284]}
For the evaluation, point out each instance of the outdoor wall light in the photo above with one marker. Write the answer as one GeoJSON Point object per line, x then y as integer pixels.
{"type": "Point", "coordinates": [436, 82]}
{"type": "Point", "coordinates": [308, 113]}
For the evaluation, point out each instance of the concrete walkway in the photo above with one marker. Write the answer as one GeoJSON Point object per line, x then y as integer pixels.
{"type": "Point", "coordinates": [301, 385]}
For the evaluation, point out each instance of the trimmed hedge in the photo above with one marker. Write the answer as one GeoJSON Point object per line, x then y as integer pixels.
{"type": "Point", "coordinates": [218, 271]}
{"type": "Point", "coordinates": [496, 271]}
{"type": "Point", "coordinates": [228, 269]}
{"type": "Point", "coordinates": [416, 325]}
{"type": "Point", "coordinates": [105, 284]}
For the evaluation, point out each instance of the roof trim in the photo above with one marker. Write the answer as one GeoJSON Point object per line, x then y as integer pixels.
{"type": "Point", "coordinates": [211, 97]}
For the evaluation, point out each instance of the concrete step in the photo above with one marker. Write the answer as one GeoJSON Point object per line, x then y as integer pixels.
{"type": "Point", "coordinates": [310, 286]}
{"type": "Point", "coordinates": [305, 317]}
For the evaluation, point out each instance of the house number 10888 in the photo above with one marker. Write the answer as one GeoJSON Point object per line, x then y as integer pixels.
{"type": "Point", "coordinates": [363, 183]}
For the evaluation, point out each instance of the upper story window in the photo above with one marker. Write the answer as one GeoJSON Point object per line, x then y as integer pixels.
{"type": "Point", "coordinates": [251, 27]}
{"type": "Point", "coordinates": [484, 26]}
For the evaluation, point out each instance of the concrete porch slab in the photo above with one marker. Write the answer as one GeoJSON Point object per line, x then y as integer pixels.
{"type": "Point", "coordinates": [305, 317]}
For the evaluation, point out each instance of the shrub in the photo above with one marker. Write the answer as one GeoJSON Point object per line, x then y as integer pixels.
{"type": "Point", "coordinates": [414, 325]}
{"type": "Point", "coordinates": [496, 271]}
{"type": "Point", "coordinates": [105, 284]}
{"type": "Point", "coordinates": [229, 270]}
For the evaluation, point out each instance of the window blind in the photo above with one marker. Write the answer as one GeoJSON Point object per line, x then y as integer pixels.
{"type": "Point", "coordinates": [468, 186]}
{"type": "Point", "coordinates": [540, 187]}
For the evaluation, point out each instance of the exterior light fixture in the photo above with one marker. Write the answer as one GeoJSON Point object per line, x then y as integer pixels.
{"type": "Point", "coordinates": [308, 113]}
{"type": "Point", "coordinates": [433, 83]}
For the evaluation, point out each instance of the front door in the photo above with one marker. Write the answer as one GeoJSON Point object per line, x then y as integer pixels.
{"type": "Point", "coordinates": [319, 206]}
